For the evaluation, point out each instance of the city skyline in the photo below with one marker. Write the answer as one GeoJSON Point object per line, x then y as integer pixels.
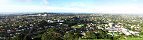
{"type": "Point", "coordinates": [79, 6]}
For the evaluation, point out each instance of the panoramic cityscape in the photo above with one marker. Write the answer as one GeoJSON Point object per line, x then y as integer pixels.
{"type": "Point", "coordinates": [71, 20]}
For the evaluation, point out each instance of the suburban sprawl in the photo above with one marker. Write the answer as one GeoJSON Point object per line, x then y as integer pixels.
{"type": "Point", "coordinates": [71, 26]}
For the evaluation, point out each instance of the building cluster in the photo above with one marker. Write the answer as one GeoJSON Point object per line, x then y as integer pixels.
{"type": "Point", "coordinates": [32, 25]}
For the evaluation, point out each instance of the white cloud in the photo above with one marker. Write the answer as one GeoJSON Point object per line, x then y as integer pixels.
{"type": "Point", "coordinates": [23, 0]}
{"type": "Point", "coordinates": [79, 5]}
{"type": "Point", "coordinates": [45, 2]}
{"type": "Point", "coordinates": [106, 9]}
{"type": "Point", "coordinates": [120, 9]}
{"type": "Point", "coordinates": [5, 6]}
{"type": "Point", "coordinates": [4, 2]}
{"type": "Point", "coordinates": [79, 10]}
{"type": "Point", "coordinates": [42, 9]}
{"type": "Point", "coordinates": [134, 0]}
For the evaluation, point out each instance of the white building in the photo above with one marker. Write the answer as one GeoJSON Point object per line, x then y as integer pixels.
{"type": "Point", "coordinates": [125, 31]}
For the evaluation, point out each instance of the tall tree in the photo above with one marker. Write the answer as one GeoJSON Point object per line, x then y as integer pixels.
{"type": "Point", "coordinates": [51, 34]}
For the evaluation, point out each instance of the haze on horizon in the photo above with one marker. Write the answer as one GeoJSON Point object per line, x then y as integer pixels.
{"type": "Point", "coordinates": [80, 6]}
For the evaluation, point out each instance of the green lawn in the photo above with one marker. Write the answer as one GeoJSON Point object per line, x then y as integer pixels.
{"type": "Point", "coordinates": [95, 39]}
{"type": "Point", "coordinates": [132, 38]}
{"type": "Point", "coordinates": [78, 26]}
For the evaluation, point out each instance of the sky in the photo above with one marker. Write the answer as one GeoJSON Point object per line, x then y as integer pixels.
{"type": "Point", "coordinates": [74, 6]}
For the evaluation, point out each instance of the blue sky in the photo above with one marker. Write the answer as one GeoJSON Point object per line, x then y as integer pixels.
{"type": "Point", "coordinates": [81, 6]}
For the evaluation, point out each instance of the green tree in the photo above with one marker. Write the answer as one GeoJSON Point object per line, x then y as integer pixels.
{"type": "Point", "coordinates": [90, 35]}
{"type": "Point", "coordinates": [71, 36]}
{"type": "Point", "coordinates": [68, 36]}
{"type": "Point", "coordinates": [17, 37]}
{"type": "Point", "coordinates": [50, 34]}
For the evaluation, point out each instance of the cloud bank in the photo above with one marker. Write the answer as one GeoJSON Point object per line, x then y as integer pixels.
{"type": "Point", "coordinates": [7, 6]}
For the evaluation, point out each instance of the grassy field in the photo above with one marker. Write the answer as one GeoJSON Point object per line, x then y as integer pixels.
{"type": "Point", "coordinates": [131, 38]}
{"type": "Point", "coordinates": [128, 38]}
{"type": "Point", "coordinates": [95, 39]}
